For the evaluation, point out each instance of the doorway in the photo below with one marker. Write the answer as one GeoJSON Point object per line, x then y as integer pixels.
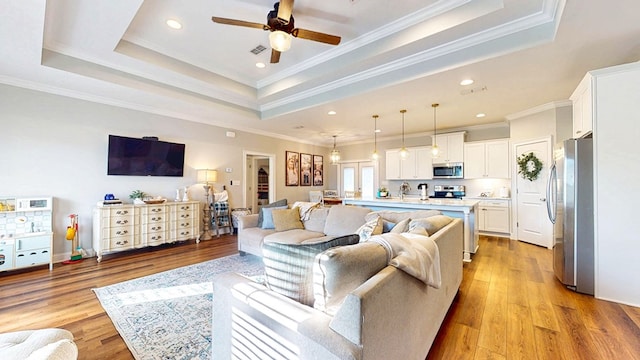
{"type": "Point", "coordinates": [259, 180]}
{"type": "Point", "coordinates": [358, 177]}
{"type": "Point", "coordinates": [532, 223]}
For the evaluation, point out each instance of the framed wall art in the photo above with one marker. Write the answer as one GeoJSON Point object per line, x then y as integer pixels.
{"type": "Point", "coordinates": [306, 169]}
{"type": "Point", "coordinates": [318, 171]}
{"type": "Point", "coordinates": [292, 177]}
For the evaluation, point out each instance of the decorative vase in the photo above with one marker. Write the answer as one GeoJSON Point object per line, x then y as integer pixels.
{"type": "Point", "coordinates": [185, 196]}
{"type": "Point", "coordinates": [178, 197]}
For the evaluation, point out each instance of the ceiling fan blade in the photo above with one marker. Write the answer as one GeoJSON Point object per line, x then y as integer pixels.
{"type": "Point", "coordinates": [316, 36]}
{"type": "Point", "coordinates": [226, 21]}
{"type": "Point", "coordinates": [275, 56]}
{"type": "Point", "coordinates": [284, 10]}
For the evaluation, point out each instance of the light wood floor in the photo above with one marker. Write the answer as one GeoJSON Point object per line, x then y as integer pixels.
{"type": "Point", "coordinates": [509, 305]}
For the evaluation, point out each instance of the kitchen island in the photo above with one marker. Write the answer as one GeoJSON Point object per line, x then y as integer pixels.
{"type": "Point", "coordinates": [458, 208]}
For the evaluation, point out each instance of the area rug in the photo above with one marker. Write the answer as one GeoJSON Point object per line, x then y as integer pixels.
{"type": "Point", "coordinates": [168, 315]}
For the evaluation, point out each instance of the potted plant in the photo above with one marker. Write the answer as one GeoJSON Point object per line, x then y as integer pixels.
{"type": "Point", "coordinates": [137, 196]}
{"type": "Point", "coordinates": [383, 192]}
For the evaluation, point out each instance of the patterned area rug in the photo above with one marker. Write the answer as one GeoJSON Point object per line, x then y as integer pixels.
{"type": "Point", "coordinates": [168, 315]}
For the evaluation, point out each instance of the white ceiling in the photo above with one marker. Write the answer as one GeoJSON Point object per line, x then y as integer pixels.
{"type": "Point", "coordinates": [394, 55]}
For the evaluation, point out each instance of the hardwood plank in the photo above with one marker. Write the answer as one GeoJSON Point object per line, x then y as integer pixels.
{"type": "Point", "coordinates": [503, 272]}
{"type": "Point", "coordinates": [519, 333]}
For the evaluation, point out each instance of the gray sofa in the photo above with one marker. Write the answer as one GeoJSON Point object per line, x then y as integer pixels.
{"type": "Point", "coordinates": [364, 308]}
{"type": "Point", "coordinates": [322, 224]}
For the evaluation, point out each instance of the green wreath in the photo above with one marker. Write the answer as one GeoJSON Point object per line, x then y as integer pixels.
{"type": "Point", "coordinates": [529, 166]}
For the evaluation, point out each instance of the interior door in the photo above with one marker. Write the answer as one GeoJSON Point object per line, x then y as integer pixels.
{"type": "Point", "coordinates": [359, 177]}
{"type": "Point", "coordinates": [533, 225]}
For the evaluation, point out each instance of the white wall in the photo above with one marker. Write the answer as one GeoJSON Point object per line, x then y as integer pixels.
{"type": "Point", "coordinates": [57, 146]}
{"type": "Point", "coordinates": [617, 170]}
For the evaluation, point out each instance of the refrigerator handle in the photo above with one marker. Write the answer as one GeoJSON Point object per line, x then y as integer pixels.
{"type": "Point", "coordinates": [552, 194]}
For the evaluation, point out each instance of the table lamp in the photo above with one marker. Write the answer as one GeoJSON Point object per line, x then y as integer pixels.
{"type": "Point", "coordinates": [206, 177]}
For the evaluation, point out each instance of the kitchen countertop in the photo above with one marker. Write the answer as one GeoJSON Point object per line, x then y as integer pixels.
{"type": "Point", "coordinates": [486, 198]}
{"type": "Point", "coordinates": [416, 203]}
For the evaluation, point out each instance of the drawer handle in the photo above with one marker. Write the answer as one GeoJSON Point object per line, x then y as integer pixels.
{"type": "Point", "coordinates": [184, 216]}
{"type": "Point", "coordinates": [125, 242]}
{"type": "Point", "coordinates": [185, 208]}
{"type": "Point", "coordinates": [122, 222]}
{"type": "Point", "coordinates": [122, 232]}
{"type": "Point", "coordinates": [185, 224]}
{"type": "Point", "coordinates": [185, 233]}
{"type": "Point", "coordinates": [156, 228]}
{"type": "Point", "coordinates": [156, 219]}
{"type": "Point", "coordinates": [122, 212]}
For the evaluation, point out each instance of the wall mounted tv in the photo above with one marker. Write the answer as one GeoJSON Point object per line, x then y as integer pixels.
{"type": "Point", "coordinates": [144, 157]}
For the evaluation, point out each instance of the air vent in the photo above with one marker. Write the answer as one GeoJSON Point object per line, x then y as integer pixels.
{"type": "Point", "coordinates": [258, 49]}
{"type": "Point", "coordinates": [473, 91]}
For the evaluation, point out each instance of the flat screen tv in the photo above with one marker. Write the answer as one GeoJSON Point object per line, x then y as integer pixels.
{"type": "Point", "coordinates": [144, 157]}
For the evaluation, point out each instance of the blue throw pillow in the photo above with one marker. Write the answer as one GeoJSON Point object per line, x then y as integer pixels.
{"type": "Point", "coordinates": [267, 216]}
{"type": "Point", "coordinates": [281, 202]}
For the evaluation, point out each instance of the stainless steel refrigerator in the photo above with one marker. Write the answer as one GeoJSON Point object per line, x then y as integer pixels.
{"type": "Point", "coordinates": [570, 209]}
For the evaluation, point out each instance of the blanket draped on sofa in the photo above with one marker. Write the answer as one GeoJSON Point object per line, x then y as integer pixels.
{"type": "Point", "coordinates": [417, 255]}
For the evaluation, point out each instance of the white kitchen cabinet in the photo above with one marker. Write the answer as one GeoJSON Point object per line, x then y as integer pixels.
{"type": "Point", "coordinates": [582, 99]}
{"type": "Point", "coordinates": [416, 166]}
{"type": "Point", "coordinates": [494, 216]}
{"type": "Point", "coordinates": [125, 227]}
{"type": "Point", "coordinates": [486, 159]}
{"type": "Point", "coordinates": [392, 169]}
{"type": "Point", "coordinates": [451, 148]}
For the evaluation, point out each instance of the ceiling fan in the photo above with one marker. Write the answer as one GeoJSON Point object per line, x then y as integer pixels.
{"type": "Point", "coordinates": [281, 24]}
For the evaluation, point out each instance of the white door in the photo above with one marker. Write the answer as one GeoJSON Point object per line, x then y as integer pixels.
{"type": "Point", "coordinates": [359, 177]}
{"type": "Point", "coordinates": [533, 225]}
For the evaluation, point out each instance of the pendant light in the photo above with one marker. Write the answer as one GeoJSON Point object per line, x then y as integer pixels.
{"type": "Point", "coordinates": [335, 154]}
{"type": "Point", "coordinates": [403, 150]}
{"type": "Point", "coordinates": [435, 151]}
{"type": "Point", "coordinates": [375, 154]}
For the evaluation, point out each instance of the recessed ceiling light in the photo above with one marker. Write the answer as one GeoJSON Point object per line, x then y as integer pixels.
{"type": "Point", "coordinates": [481, 115]}
{"type": "Point", "coordinates": [260, 65]}
{"type": "Point", "coordinates": [466, 82]}
{"type": "Point", "coordinates": [331, 112]}
{"type": "Point", "coordinates": [174, 24]}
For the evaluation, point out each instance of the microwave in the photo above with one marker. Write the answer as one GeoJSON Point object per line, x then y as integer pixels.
{"type": "Point", "coordinates": [448, 171]}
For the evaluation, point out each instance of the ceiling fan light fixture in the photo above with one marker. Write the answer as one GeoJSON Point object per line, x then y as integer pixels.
{"type": "Point", "coordinates": [280, 40]}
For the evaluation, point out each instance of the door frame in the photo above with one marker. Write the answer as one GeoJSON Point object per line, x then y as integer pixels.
{"type": "Point", "coordinates": [245, 174]}
{"type": "Point", "coordinates": [514, 179]}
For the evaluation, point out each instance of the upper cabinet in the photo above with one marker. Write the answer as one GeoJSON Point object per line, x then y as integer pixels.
{"type": "Point", "coordinates": [583, 108]}
{"type": "Point", "coordinates": [486, 159]}
{"type": "Point", "coordinates": [451, 148]}
{"type": "Point", "coordinates": [416, 166]}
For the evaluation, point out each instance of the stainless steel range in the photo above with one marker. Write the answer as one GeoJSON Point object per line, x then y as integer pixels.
{"type": "Point", "coordinates": [448, 191]}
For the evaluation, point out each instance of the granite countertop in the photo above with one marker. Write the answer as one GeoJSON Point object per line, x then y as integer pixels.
{"type": "Point", "coordinates": [414, 202]}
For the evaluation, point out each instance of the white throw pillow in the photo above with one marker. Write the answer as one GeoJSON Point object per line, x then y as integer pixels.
{"type": "Point", "coordinates": [371, 227]}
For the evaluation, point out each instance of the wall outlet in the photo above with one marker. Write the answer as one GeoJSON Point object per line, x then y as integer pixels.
{"type": "Point", "coordinates": [228, 170]}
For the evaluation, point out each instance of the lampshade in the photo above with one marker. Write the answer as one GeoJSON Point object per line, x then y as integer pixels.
{"type": "Point", "coordinates": [280, 40]}
{"type": "Point", "coordinates": [435, 150]}
{"type": "Point", "coordinates": [334, 156]}
{"type": "Point", "coordinates": [206, 176]}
